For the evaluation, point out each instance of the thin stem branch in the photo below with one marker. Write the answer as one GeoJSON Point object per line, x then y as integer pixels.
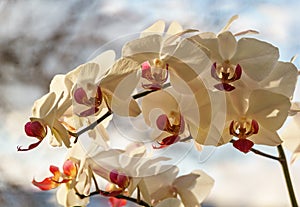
{"type": "Point", "coordinates": [101, 192]}
{"type": "Point", "coordinates": [258, 152]}
{"type": "Point", "coordinates": [93, 125]}
{"type": "Point", "coordinates": [264, 154]}
{"type": "Point", "coordinates": [288, 180]}
{"type": "Point", "coordinates": [108, 113]}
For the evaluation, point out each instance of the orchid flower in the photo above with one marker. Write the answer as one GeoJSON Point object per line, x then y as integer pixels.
{"type": "Point", "coordinates": [124, 169]}
{"type": "Point", "coordinates": [47, 112]}
{"type": "Point", "coordinates": [81, 183]}
{"type": "Point", "coordinates": [191, 189]}
{"type": "Point", "coordinates": [69, 173]}
{"type": "Point", "coordinates": [232, 59]}
{"type": "Point", "coordinates": [162, 112]}
{"type": "Point", "coordinates": [255, 120]}
{"type": "Point", "coordinates": [162, 56]}
{"type": "Point", "coordinates": [100, 84]}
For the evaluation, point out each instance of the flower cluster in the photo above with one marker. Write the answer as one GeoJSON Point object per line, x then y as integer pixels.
{"type": "Point", "coordinates": [184, 85]}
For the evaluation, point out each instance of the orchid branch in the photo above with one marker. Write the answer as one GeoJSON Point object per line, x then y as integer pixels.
{"type": "Point", "coordinates": [258, 152]}
{"type": "Point", "coordinates": [105, 193]}
{"type": "Point", "coordinates": [108, 113]}
{"type": "Point", "coordinates": [284, 165]}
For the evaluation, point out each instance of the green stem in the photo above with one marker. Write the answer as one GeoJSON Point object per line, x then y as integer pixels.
{"type": "Point", "coordinates": [287, 176]}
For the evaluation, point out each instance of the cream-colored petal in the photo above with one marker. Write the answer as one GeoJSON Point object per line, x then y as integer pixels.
{"type": "Point", "coordinates": [42, 106]}
{"type": "Point", "coordinates": [282, 79]}
{"type": "Point", "coordinates": [266, 137]}
{"type": "Point", "coordinates": [105, 161]}
{"type": "Point", "coordinates": [156, 28]}
{"type": "Point", "coordinates": [105, 60]}
{"type": "Point", "coordinates": [188, 198]}
{"type": "Point", "coordinates": [194, 187]}
{"type": "Point", "coordinates": [151, 184]}
{"type": "Point", "coordinates": [60, 133]}
{"type": "Point", "coordinates": [143, 49]}
{"type": "Point", "coordinates": [208, 42]}
{"type": "Point", "coordinates": [269, 109]}
{"type": "Point", "coordinates": [122, 79]}
{"type": "Point", "coordinates": [72, 199]}
{"type": "Point", "coordinates": [60, 84]}
{"type": "Point", "coordinates": [122, 107]}
{"type": "Point", "coordinates": [188, 60]}
{"type": "Point", "coordinates": [90, 74]}
{"type": "Point", "coordinates": [227, 45]}
{"type": "Point", "coordinates": [257, 58]}
{"type": "Point", "coordinates": [174, 202]}
{"type": "Point", "coordinates": [290, 135]}
{"type": "Point", "coordinates": [159, 100]}
{"type": "Point", "coordinates": [174, 28]}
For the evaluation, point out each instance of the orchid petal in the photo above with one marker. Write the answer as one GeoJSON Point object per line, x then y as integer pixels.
{"type": "Point", "coordinates": [227, 45]}
{"type": "Point", "coordinates": [188, 60]}
{"type": "Point", "coordinates": [257, 58]}
{"type": "Point", "coordinates": [158, 100]}
{"type": "Point", "coordinates": [46, 184]}
{"type": "Point", "coordinates": [174, 202]}
{"type": "Point", "coordinates": [157, 28]}
{"type": "Point", "coordinates": [174, 28]}
{"type": "Point", "coordinates": [143, 49]}
{"type": "Point", "coordinates": [70, 169]}
{"type": "Point", "coordinates": [60, 133]}
{"type": "Point", "coordinates": [266, 137]}
{"type": "Point", "coordinates": [194, 187]}
{"type": "Point", "coordinates": [105, 60]}
{"type": "Point", "coordinates": [282, 79]}
{"type": "Point", "coordinates": [42, 106]}
{"type": "Point", "coordinates": [269, 109]}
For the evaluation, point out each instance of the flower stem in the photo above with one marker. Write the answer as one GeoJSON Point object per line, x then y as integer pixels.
{"type": "Point", "coordinates": [287, 176]}
{"type": "Point", "coordinates": [120, 196]}
{"type": "Point", "coordinates": [258, 152]}
{"type": "Point", "coordinates": [108, 113]}
{"type": "Point", "coordinates": [92, 126]}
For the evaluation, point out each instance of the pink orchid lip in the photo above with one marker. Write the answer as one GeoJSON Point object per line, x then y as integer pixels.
{"type": "Point", "coordinates": [156, 79]}
{"type": "Point", "coordinates": [93, 103]}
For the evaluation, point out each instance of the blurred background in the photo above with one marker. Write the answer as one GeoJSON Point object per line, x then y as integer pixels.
{"type": "Point", "coordinates": [39, 39]}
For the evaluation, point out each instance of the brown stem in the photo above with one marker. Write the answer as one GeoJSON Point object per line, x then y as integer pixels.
{"type": "Point", "coordinates": [108, 113]}
{"type": "Point", "coordinates": [287, 176]}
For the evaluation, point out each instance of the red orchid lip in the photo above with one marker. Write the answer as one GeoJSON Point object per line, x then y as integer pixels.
{"type": "Point", "coordinates": [167, 142]}
{"type": "Point", "coordinates": [224, 79]}
{"type": "Point", "coordinates": [120, 179]}
{"type": "Point", "coordinates": [244, 145]}
{"type": "Point", "coordinates": [35, 129]}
